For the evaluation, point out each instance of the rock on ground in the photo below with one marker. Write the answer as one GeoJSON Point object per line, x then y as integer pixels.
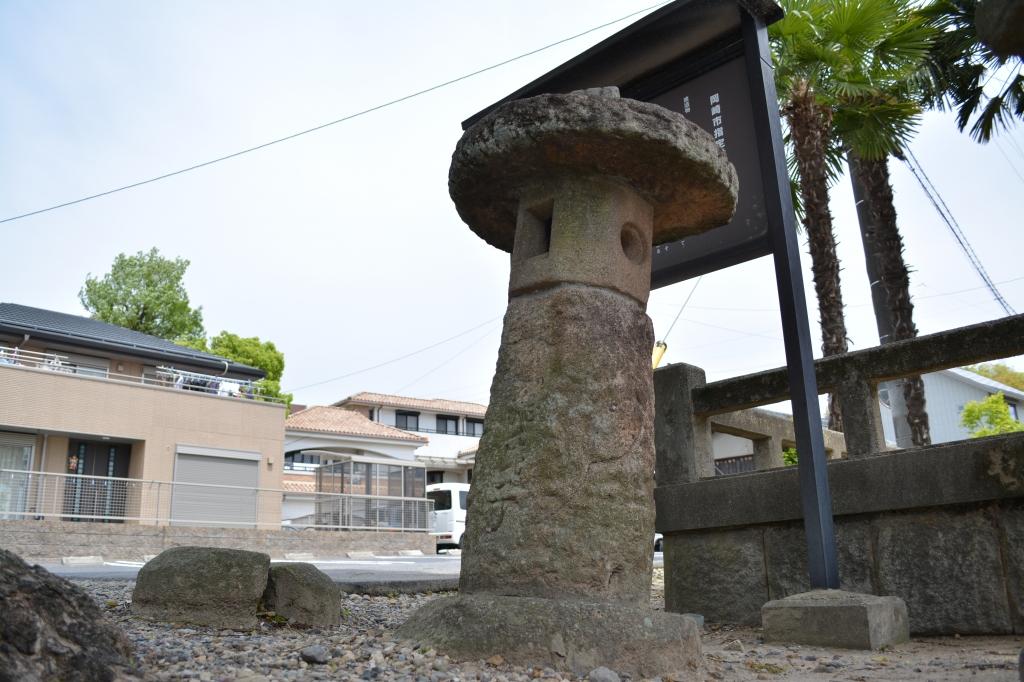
{"type": "Point", "coordinates": [303, 594]}
{"type": "Point", "coordinates": [50, 629]}
{"type": "Point", "coordinates": [202, 585]}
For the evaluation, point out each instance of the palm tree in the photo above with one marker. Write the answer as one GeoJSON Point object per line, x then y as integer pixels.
{"type": "Point", "coordinates": [961, 67]}
{"type": "Point", "coordinates": [831, 59]}
{"type": "Point", "coordinates": [874, 124]}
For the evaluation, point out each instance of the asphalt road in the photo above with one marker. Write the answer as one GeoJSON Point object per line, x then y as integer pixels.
{"type": "Point", "coordinates": [380, 574]}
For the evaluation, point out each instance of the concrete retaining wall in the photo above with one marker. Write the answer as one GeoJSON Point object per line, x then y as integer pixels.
{"type": "Point", "coordinates": [50, 540]}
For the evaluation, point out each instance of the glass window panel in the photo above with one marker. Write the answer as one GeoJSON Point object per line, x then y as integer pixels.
{"type": "Point", "coordinates": [415, 481]}
{"type": "Point", "coordinates": [394, 481]}
{"type": "Point", "coordinates": [360, 478]}
{"type": "Point", "coordinates": [442, 499]}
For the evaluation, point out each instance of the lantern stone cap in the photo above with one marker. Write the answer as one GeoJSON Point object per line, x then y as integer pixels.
{"type": "Point", "coordinates": [671, 162]}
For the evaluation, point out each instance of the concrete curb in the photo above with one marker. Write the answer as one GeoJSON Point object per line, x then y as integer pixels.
{"type": "Point", "coordinates": [386, 587]}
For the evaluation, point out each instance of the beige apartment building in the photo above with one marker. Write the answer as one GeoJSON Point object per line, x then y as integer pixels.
{"type": "Point", "coordinates": [98, 422]}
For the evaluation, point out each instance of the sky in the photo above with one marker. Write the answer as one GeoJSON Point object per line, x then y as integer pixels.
{"type": "Point", "coordinates": [342, 246]}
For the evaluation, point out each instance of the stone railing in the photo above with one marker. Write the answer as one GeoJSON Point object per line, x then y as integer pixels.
{"type": "Point", "coordinates": [941, 526]}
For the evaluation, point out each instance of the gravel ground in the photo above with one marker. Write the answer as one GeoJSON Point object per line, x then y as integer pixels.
{"type": "Point", "coordinates": [361, 648]}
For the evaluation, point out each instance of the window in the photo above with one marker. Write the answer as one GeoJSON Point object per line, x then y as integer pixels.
{"type": "Point", "coordinates": [85, 364]}
{"type": "Point", "coordinates": [301, 461]}
{"type": "Point", "coordinates": [447, 424]}
{"type": "Point", "coordinates": [1013, 410]}
{"type": "Point", "coordinates": [410, 421]}
{"type": "Point", "coordinates": [474, 427]}
{"type": "Point", "coordinates": [442, 499]}
{"type": "Point", "coordinates": [360, 482]}
{"type": "Point", "coordinates": [370, 413]}
{"type": "Point", "coordinates": [435, 477]}
{"type": "Point", "coordinates": [462, 499]}
{"type": "Point", "coordinates": [414, 484]}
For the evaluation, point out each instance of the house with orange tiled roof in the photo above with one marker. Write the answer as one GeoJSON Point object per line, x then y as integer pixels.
{"type": "Point", "coordinates": [451, 427]}
{"type": "Point", "coordinates": [331, 449]}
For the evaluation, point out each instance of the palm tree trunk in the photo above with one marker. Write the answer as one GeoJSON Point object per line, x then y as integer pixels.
{"type": "Point", "coordinates": [810, 125]}
{"type": "Point", "coordinates": [890, 286]}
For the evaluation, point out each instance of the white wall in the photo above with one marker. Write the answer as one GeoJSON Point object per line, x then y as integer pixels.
{"type": "Point", "coordinates": [727, 445]}
{"type": "Point", "coordinates": [295, 507]}
{"type": "Point", "coordinates": [440, 445]}
{"type": "Point", "coordinates": [946, 397]}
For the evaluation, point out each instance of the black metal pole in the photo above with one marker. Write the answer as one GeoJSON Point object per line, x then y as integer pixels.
{"type": "Point", "coordinates": [815, 497]}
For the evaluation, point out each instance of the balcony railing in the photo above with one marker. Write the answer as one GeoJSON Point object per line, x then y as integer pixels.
{"type": "Point", "coordinates": [165, 377]}
{"type": "Point", "coordinates": [419, 429]}
{"type": "Point", "coordinates": [27, 495]}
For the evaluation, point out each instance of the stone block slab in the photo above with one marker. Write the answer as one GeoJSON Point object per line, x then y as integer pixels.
{"type": "Point", "coordinates": [303, 594]}
{"type": "Point", "coordinates": [202, 585]}
{"type": "Point", "coordinates": [568, 635]}
{"type": "Point", "coordinates": [948, 567]}
{"type": "Point", "coordinates": [1011, 522]}
{"type": "Point", "coordinates": [834, 618]}
{"type": "Point", "coordinates": [720, 574]}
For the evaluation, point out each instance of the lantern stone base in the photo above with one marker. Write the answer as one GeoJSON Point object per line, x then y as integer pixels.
{"type": "Point", "coordinates": [567, 635]}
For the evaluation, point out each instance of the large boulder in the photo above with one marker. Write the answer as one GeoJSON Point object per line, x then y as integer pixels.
{"type": "Point", "coordinates": [203, 586]}
{"type": "Point", "coordinates": [51, 630]}
{"type": "Point", "coordinates": [303, 594]}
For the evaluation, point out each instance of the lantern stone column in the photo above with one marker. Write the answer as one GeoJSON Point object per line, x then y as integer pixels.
{"type": "Point", "coordinates": [556, 562]}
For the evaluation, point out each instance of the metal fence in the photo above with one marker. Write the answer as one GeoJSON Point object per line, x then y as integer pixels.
{"type": "Point", "coordinates": [163, 377]}
{"type": "Point", "coordinates": [28, 495]}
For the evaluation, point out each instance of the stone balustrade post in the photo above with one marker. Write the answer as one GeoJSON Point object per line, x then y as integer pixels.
{"type": "Point", "coordinates": [862, 419]}
{"type": "Point", "coordinates": [768, 453]}
{"type": "Point", "coordinates": [682, 439]}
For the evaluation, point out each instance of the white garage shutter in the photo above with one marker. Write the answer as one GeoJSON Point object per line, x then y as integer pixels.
{"type": "Point", "coordinates": [199, 505]}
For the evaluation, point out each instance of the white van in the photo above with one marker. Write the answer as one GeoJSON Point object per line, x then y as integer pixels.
{"type": "Point", "coordinates": [448, 520]}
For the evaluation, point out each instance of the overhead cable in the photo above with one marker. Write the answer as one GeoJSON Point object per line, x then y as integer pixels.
{"type": "Point", "coordinates": [947, 217]}
{"type": "Point", "coordinates": [394, 360]}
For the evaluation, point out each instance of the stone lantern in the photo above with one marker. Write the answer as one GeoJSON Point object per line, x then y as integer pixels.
{"type": "Point", "coordinates": [557, 554]}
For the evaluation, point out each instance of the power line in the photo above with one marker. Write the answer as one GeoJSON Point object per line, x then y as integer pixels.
{"type": "Point", "coordinates": [457, 355]}
{"type": "Point", "coordinates": [394, 360]}
{"type": "Point", "coordinates": [1008, 161]}
{"type": "Point", "coordinates": [947, 217]}
{"type": "Point", "coordinates": [1013, 143]}
{"type": "Point", "coordinates": [682, 308]}
{"type": "Point", "coordinates": [349, 117]}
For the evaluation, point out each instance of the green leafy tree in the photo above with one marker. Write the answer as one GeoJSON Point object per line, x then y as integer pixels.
{"type": "Point", "coordinates": [1000, 372]}
{"type": "Point", "coordinates": [249, 350]}
{"type": "Point", "coordinates": [989, 417]}
{"type": "Point", "coordinates": [144, 292]}
{"type": "Point", "coordinates": [789, 457]}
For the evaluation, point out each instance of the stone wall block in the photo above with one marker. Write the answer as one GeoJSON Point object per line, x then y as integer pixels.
{"type": "Point", "coordinates": [786, 558]}
{"type": "Point", "coordinates": [947, 566]}
{"type": "Point", "coordinates": [720, 574]}
{"type": "Point", "coordinates": [44, 541]}
{"type": "Point", "coordinates": [1011, 522]}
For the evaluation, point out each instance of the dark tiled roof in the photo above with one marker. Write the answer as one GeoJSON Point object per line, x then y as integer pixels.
{"type": "Point", "coordinates": [87, 332]}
